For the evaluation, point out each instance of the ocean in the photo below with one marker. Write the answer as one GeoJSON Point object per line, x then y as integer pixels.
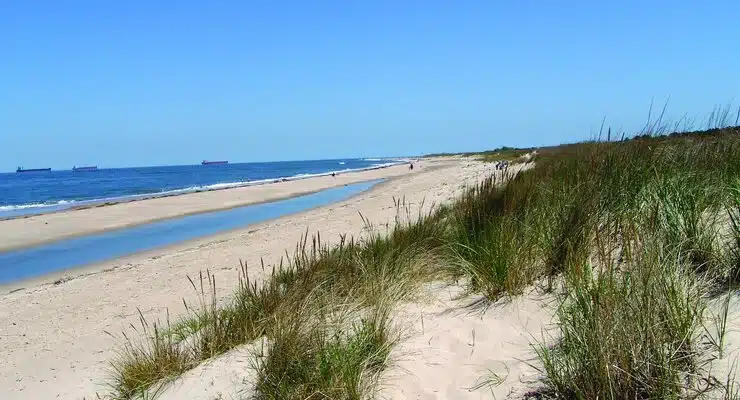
{"type": "Point", "coordinates": [38, 192]}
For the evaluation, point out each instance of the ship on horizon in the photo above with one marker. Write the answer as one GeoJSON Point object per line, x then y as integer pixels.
{"type": "Point", "coordinates": [86, 168]}
{"type": "Point", "coordinates": [206, 162]}
{"type": "Point", "coordinates": [21, 169]}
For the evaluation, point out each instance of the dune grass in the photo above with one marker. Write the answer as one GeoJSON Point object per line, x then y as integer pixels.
{"type": "Point", "coordinates": [290, 307]}
{"type": "Point", "coordinates": [327, 348]}
{"type": "Point", "coordinates": [335, 341]}
{"type": "Point", "coordinates": [634, 236]}
{"type": "Point", "coordinates": [628, 331]}
{"type": "Point", "coordinates": [144, 363]}
{"type": "Point", "coordinates": [635, 231]}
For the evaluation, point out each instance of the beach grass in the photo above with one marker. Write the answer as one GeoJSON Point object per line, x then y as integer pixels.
{"type": "Point", "coordinates": [328, 348]}
{"type": "Point", "coordinates": [634, 228]}
{"type": "Point", "coordinates": [145, 362]}
{"type": "Point", "coordinates": [370, 273]}
{"type": "Point", "coordinates": [334, 341]}
{"type": "Point", "coordinates": [628, 333]}
{"type": "Point", "coordinates": [633, 236]}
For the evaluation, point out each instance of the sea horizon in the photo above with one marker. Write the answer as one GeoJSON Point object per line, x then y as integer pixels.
{"type": "Point", "coordinates": [230, 162]}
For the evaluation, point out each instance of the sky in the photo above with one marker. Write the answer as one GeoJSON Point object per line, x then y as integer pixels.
{"type": "Point", "coordinates": [143, 82]}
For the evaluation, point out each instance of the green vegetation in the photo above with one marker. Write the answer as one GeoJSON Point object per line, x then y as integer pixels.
{"type": "Point", "coordinates": [314, 359]}
{"type": "Point", "coordinates": [634, 229]}
{"type": "Point", "coordinates": [634, 236]}
{"type": "Point", "coordinates": [299, 309]}
{"type": "Point", "coordinates": [503, 153]}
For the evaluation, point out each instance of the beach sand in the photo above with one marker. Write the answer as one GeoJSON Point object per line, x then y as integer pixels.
{"type": "Point", "coordinates": [54, 337]}
{"type": "Point", "coordinates": [27, 231]}
{"type": "Point", "coordinates": [448, 350]}
{"type": "Point", "coordinates": [452, 350]}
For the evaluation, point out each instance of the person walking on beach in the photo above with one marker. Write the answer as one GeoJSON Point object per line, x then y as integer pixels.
{"type": "Point", "coordinates": [411, 166]}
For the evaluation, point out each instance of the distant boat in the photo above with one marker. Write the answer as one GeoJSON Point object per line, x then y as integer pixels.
{"type": "Point", "coordinates": [21, 169]}
{"type": "Point", "coordinates": [213, 162]}
{"type": "Point", "coordinates": [83, 169]}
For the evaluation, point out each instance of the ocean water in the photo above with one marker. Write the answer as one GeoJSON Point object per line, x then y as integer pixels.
{"type": "Point", "coordinates": [39, 192]}
{"type": "Point", "coordinates": [59, 256]}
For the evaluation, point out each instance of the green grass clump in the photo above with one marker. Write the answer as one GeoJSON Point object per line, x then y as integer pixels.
{"type": "Point", "coordinates": [630, 333]}
{"type": "Point", "coordinates": [322, 355]}
{"type": "Point", "coordinates": [143, 363]}
{"type": "Point", "coordinates": [318, 349]}
{"type": "Point", "coordinates": [488, 244]}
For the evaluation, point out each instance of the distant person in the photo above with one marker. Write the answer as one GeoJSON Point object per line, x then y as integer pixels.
{"type": "Point", "coordinates": [411, 166]}
{"type": "Point", "coordinates": [333, 174]}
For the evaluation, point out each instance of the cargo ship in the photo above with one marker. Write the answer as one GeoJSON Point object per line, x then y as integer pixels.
{"type": "Point", "coordinates": [83, 169]}
{"type": "Point", "coordinates": [21, 169]}
{"type": "Point", "coordinates": [205, 162]}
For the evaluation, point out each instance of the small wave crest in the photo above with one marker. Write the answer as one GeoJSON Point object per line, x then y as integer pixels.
{"type": "Point", "coordinates": [16, 207]}
{"type": "Point", "coordinates": [192, 189]}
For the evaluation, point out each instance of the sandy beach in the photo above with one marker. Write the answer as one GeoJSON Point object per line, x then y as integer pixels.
{"type": "Point", "coordinates": [55, 338]}
{"type": "Point", "coordinates": [22, 232]}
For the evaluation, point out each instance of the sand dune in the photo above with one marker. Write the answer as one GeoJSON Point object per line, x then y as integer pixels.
{"type": "Point", "coordinates": [53, 337]}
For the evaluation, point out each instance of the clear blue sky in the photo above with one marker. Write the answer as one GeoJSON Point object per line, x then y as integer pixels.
{"type": "Point", "coordinates": [154, 82]}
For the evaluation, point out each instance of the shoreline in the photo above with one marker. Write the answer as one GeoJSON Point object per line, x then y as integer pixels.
{"type": "Point", "coordinates": [105, 202]}
{"type": "Point", "coordinates": [23, 232]}
{"type": "Point", "coordinates": [68, 274]}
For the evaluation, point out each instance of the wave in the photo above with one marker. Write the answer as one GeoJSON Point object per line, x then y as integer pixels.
{"type": "Point", "coordinates": [192, 189]}
{"type": "Point", "coordinates": [341, 163]}
{"type": "Point", "coordinates": [35, 205]}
